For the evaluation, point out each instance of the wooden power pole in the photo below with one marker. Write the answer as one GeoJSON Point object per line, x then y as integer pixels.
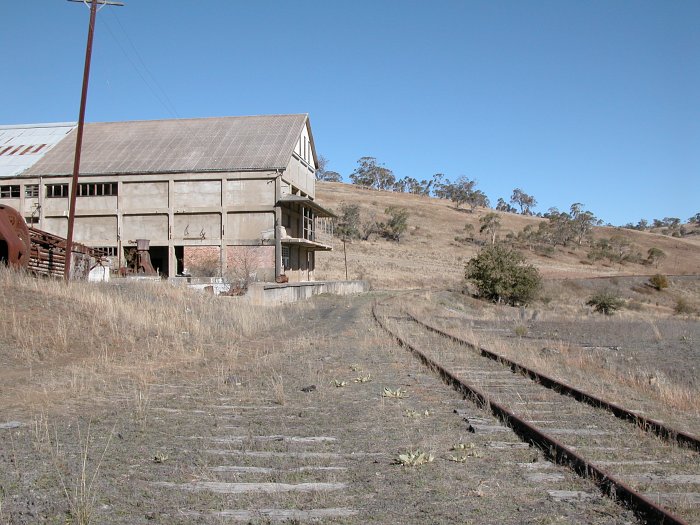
{"type": "Point", "coordinates": [81, 125]}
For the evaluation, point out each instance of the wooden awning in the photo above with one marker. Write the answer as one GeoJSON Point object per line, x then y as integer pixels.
{"type": "Point", "coordinates": [305, 243]}
{"type": "Point", "coordinates": [306, 202]}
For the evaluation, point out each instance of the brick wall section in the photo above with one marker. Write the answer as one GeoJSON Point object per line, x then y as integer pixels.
{"type": "Point", "coordinates": [259, 261]}
{"type": "Point", "coordinates": [202, 261]}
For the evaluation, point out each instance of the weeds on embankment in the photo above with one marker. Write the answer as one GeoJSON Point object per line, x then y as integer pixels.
{"type": "Point", "coordinates": [59, 341]}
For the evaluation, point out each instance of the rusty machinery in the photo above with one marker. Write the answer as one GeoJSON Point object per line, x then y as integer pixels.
{"type": "Point", "coordinates": [143, 258]}
{"type": "Point", "coordinates": [40, 252]}
{"type": "Point", "coordinates": [15, 242]}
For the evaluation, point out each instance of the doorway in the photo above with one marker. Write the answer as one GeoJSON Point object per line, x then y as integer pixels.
{"type": "Point", "coordinates": [160, 259]}
{"type": "Point", "coordinates": [179, 260]}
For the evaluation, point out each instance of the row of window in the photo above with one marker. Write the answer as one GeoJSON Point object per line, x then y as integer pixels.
{"type": "Point", "coordinates": [86, 189]}
{"type": "Point", "coordinates": [97, 189]}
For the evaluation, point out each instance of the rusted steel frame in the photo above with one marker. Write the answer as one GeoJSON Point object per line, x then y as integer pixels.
{"type": "Point", "coordinates": [41, 237]}
{"type": "Point", "coordinates": [48, 253]}
{"type": "Point", "coordinates": [551, 447]}
{"type": "Point", "coordinates": [650, 425]}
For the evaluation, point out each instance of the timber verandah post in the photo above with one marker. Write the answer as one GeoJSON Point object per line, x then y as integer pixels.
{"type": "Point", "coordinates": [81, 125]}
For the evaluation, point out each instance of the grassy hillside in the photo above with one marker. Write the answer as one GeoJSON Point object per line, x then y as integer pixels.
{"type": "Point", "coordinates": [429, 256]}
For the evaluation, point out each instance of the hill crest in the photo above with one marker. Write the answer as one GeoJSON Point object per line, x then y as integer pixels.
{"type": "Point", "coordinates": [429, 256]}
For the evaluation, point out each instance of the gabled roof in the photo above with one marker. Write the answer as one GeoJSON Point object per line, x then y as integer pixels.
{"type": "Point", "coordinates": [23, 145]}
{"type": "Point", "coordinates": [175, 146]}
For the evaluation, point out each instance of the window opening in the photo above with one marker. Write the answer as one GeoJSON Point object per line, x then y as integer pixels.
{"type": "Point", "coordinates": [56, 191]}
{"type": "Point", "coordinates": [9, 191]}
{"type": "Point", "coordinates": [308, 224]}
{"type": "Point", "coordinates": [97, 189]}
{"type": "Point", "coordinates": [31, 190]}
{"type": "Point", "coordinates": [285, 258]}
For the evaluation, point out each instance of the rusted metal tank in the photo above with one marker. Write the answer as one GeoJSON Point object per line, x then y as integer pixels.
{"type": "Point", "coordinates": [143, 263]}
{"type": "Point", "coordinates": [15, 242]}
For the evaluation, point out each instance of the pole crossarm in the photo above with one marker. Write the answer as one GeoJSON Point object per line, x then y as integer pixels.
{"type": "Point", "coordinates": [100, 2]}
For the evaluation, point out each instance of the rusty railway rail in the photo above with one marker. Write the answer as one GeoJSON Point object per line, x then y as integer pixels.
{"type": "Point", "coordinates": [558, 452]}
{"type": "Point", "coordinates": [650, 425]}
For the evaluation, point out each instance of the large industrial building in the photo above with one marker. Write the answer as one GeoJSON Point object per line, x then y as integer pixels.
{"type": "Point", "coordinates": [217, 196]}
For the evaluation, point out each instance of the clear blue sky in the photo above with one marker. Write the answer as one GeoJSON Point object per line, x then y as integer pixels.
{"type": "Point", "coordinates": [589, 101]}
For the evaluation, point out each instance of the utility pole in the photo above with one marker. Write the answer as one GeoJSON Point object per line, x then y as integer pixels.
{"type": "Point", "coordinates": [81, 124]}
{"type": "Point", "coordinates": [345, 253]}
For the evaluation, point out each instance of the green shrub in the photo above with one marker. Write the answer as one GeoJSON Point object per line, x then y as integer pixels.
{"type": "Point", "coordinates": [501, 275]}
{"type": "Point", "coordinates": [348, 226]}
{"type": "Point", "coordinates": [658, 281]}
{"type": "Point", "coordinates": [397, 223]}
{"type": "Point", "coordinates": [605, 302]}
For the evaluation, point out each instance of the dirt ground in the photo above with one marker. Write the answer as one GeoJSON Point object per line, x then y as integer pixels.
{"type": "Point", "coordinates": [294, 428]}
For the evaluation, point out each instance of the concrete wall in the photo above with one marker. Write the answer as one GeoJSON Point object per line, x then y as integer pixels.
{"type": "Point", "coordinates": [301, 176]}
{"type": "Point", "coordinates": [56, 225]}
{"type": "Point", "coordinates": [143, 194]}
{"type": "Point", "coordinates": [248, 226]}
{"type": "Point", "coordinates": [153, 227]}
{"type": "Point", "coordinates": [198, 193]}
{"type": "Point", "coordinates": [101, 229]}
{"type": "Point", "coordinates": [197, 226]}
{"type": "Point", "coordinates": [249, 192]}
{"type": "Point", "coordinates": [271, 294]}
{"type": "Point", "coordinates": [90, 204]}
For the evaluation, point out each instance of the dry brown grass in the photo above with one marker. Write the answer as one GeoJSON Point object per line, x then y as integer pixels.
{"type": "Point", "coordinates": [62, 342]}
{"type": "Point", "coordinates": [429, 257]}
{"type": "Point", "coordinates": [618, 378]}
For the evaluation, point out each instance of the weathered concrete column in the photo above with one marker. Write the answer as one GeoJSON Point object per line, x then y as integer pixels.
{"type": "Point", "coordinates": [278, 225]}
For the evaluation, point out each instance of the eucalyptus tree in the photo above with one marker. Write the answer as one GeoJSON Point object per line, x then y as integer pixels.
{"type": "Point", "coordinates": [525, 201]}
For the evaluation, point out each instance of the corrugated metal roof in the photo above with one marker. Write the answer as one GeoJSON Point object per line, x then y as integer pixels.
{"type": "Point", "coordinates": [306, 201]}
{"type": "Point", "coordinates": [23, 145]}
{"type": "Point", "coordinates": [176, 146]}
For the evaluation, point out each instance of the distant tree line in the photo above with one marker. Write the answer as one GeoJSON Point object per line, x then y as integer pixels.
{"type": "Point", "coordinates": [667, 226]}
{"type": "Point", "coordinates": [563, 227]}
{"type": "Point", "coordinates": [371, 174]}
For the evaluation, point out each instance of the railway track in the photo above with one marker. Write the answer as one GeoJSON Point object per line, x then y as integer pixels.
{"type": "Point", "coordinates": [653, 469]}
